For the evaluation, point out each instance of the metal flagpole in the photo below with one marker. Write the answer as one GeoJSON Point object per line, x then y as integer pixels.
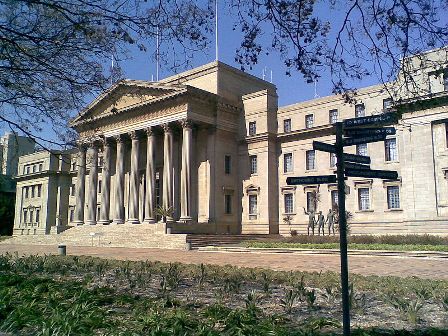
{"type": "Point", "coordinates": [157, 54]}
{"type": "Point", "coordinates": [216, 30]}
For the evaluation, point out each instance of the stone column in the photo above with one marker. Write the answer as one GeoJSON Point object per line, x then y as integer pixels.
{"type": "Point", "coordinates": [168, 169]}
{"type": "Point", "coordinates": [80, 186]}
{"type": "Point", "coordinates": [105, 192]}
{"type": "Point", "coordinates": [93, 185]}
{"type": "Point", "coordinates": [119, 181]}
{"type": "Point", "coordinates": [134, 179]}
{"type": "Point", "coordinates": [150, 177]}
{"type": "Point", "coordinates": [185, 183]}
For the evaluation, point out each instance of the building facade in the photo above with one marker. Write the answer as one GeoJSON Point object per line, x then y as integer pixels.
{"type": "Point", "coordinates": [211, 149]}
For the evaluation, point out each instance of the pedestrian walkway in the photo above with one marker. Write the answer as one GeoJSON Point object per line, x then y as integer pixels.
{"type": "Point", "coordinates": [365, 265]}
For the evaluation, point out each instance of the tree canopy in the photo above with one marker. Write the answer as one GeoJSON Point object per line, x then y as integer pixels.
{"type": "Point", "coordinates": [54, 53]}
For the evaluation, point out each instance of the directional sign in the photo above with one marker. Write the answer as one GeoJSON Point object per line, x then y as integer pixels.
{"type": "Point", "coordinates": [356, 158]}
{"type": "Point", "coordinates": [322, 179]}
{"type": "Point", "coordinates": [350, 165]}
{"type": "Point", "coordinates": [363, 140]}
{"type": "Point", "coordinates": [379, 119]}
{"type": "Point", "coordinates": [355, 132]}
{"type": "Point", "coordinates": [382, 174]}
{"type": "Point", "coordinates": [324, 147]}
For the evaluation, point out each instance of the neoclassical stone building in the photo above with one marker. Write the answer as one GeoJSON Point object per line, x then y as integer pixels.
{"type": "Point", "coordinates": [212, 147]}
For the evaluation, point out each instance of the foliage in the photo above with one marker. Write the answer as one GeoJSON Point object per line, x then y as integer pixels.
{"type": "Point", "coordinates": [409, 308]}
{"type": "Point", "coordinates": [164, 212]}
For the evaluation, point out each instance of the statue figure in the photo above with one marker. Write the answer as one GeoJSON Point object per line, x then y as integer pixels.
{"type": "Point", "coordinates": [311, 220]}
{"type": "Point", "coordinates": [320, 223]}
{"type": "Point", "coordinates": [330, 220]}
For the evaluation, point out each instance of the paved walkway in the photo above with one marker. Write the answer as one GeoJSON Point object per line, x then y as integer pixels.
{"type": "Point", "coordinates": [365, 265]}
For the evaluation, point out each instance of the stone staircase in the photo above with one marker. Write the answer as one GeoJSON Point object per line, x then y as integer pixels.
{"type": "Point", "coordinates": [202, 240]}
{"type": "Point", "coordinates": [123, 235]}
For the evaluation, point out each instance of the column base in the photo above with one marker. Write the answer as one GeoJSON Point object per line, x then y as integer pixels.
{"type": "Point", "coordinates": [118, 221]}
{"type": "Point", "coordinates": [104, 222]}
{"type": "Point", "coordinates": [185, 219]}
{"type": "Point", "coordinates": [132, 221]}
{"type": "Point", "coordinates": [77, 223]}
{"type": "Point", "coordinates": [90, 222]}
{"type": "Point", "coordinates": [149, 221]}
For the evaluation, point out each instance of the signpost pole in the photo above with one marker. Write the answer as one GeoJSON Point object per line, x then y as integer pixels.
{"type": "Point", "coordinates": [342, 228]}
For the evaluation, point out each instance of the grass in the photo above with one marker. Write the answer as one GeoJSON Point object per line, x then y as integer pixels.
{"type": "Point", "coordinates": [352, 246]}
{"type": "Point", "coordinates": [53, 295]}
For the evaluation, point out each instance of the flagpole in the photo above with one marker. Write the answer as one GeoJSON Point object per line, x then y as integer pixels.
{"type": "Point", "coordinates": [216, 30]}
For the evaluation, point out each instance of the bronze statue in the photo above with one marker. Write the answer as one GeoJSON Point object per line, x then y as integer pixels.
{"type": "Point", "coordinates": [320, 223]}
{"type": "Point", "coordinates": [330, 220]}
{"type": "Point", "coordinates": [311, 220]}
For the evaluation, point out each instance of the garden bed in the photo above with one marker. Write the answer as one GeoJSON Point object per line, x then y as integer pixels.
{"type": "Point", "coordinates": [54, 295]}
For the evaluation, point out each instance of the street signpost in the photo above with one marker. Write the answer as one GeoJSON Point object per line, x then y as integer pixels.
{"type": "Point", "coordinates": [356, 158]}
{"type": "Point", "coordinates": [324, 147]}
{"type": "Point", "coordinates": [321, 179]}
{"type": "Point", "coordinates": [354, 132]}
{"type": "Point", "coordinates": [379, 120]}
{"type": "Point", "coordinates": [364, 139]}
{"type": "Point", "coordinates": [382, 174]}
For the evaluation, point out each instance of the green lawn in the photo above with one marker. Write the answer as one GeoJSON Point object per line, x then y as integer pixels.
{"type": "Point", "coordinates": [351, 246]}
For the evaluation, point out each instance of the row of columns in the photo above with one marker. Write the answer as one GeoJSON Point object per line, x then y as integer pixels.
{"type": "Point", "coordinates": [118, 208]}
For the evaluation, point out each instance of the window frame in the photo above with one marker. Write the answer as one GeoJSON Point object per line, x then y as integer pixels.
{"type": "Point", "coordinates": [253, 164]}
{"type": "Point", "coordinates": [286, 168]}
{"type": "Point", "coordinates": [287, 206]}
{"type": "Point", "coordinates": [358, 109]}
{"type": "Point", "coordinates": [287, 125]}
{"type": "Point", "coordinates": [391, 201]}
{"type": "Point", "coordinates": [389, 155]}
{"type": "Point", "coordinates": [252, 211]}
{"type": "Point", "coordinates": [227, 164]}
{"type": "Point", "coordinates": [358, 152]}
{"type": "Point", "coordinates": [330, 116]}
{"type": "Point", "coordinates": [307, 162]}
{"type": "Point", "coordinates": [252, 128]}
{"type": "Point", "coordinates": [310, 202]}
{"type": "Point", "coordinates": [227, 204]}
{"type": "Point", "coordinates": [309, 121]}
{"type": "Point", "coordinates": [333, 160]}
{"type": "Point", "coordinates": [360, 201]}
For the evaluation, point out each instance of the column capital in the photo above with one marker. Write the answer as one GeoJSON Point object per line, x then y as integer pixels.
{"type": "Point", "coordinates": [106, 142]}
{"type": "Point", "coordinates": [167, 128]}
{"type": "Point", "coordinates": [134, 135]}
{"type": "Point", "coordinates": [185, 123]}
{"type": "Point", "coordinates": [82, 145]}
{"type": "Point", "coordinates": [119, 138]}
{"type": "Point", "coordinates": [149, 131]}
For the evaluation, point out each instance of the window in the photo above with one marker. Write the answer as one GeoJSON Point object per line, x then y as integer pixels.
{"type": "Point", "coordinates": [287, 163]}
{"type": "Point", "coordinates": [334, 198]}
{"type": "Point", "coordinates": [387, 104]}
{"type": "Point", "coordinates": [361, 149]}
{"type": "Point", "coordinates": [98, 210]}
{"type": "Point", "coordinates": [287, 125]}
{"type": "Point", "coordinates": [27, 169]}
{"type": "Point", "coordinates": [252, 204]}
{"type": "Point", "coordinates": [100, 186]}
{"type": "Point", "coordinates": [309, 121]}
{"type": "Point", "coordinates": [37, 215]}
{"type": "Point", "coordinates": [34, 168]}
{"type": "Point", "coordinates": [41, 166]}
{"type": "Point", "coordinates": [311, 201]}
{"type": "Point", "coordinates": [72, 189]}
{"type": "Point", "coordinates": [333, 160]}
{"type": "Point", "coordinates": [390, 147]}
{"type": "Point", "coordinates": [289, 204]}
{"type": "Point", "coordinates": [360, 110]}
{"type": "Point", "coordinates": [445, 80]}
{"type": "Point", "coordinates": [31, 216]}
{"type": "Point", "coordinates": [227, 204]}
{"type": "Point", "coordinates": [252, 128]}
{"type": "Point", "coordinates": [393, 197]}
{"type": "Point", "coordinates": [253, 164]}
{"type": "Point", "coordinates": [364, 198]}
{"type": "Point", "coordinates": [25, 215]}
{"type": "Point", "coordinates": [26, 192]}
{"type": "Point", "coordinates": [73, 165]}
{"type": "Point", "coordinates": [33, 190]}
{"type": "Point", "coordinates": [310, 158]}
{"type": "Point", "coordinates": [227, 164]}
{"type": "Point", "coordinates": [39, 190]}
{"type": "Point", "coordinates": [72, 214]}
{"type": "Point", "coordinates": [333, 116]}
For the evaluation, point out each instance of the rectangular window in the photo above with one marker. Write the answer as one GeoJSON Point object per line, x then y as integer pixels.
{"type": "Point", "coordinates": [310, 160]}
{"type": "Point", "coordinates": [393, 197]}
{"type": "Point", "coordinates": [334, 198]}
{"type": "Point", "coordinates": [72, 189]}
{"type": "Point", "coordinates": [287, 125]}
{"type": "Point", "coordinates": [387, 104]}
{"type": "Point", "coordinates": [25, 216]}
{"type": "Point", "coordinates": [360, 110]}
{"type": "Point", "coordinates": [333, 160]}
{"type": "Point", "coordinates": [39, 190]}
{"type": "Point", "coordinates": [252, 128]}
{"type": "Point", "coordinates": [390, 147]}
{"type": "Point", "coordinates": [333, 116]}
{"type": "Point", "coordinates": [31, 216]}
{"type": "Point", "coordinates": [72, 214]}
{"type": "Point", "coordinates": [41, 167]}
{"type": "Point", "coordinates": [364, 198]}
{"type": "Point", "coordinates": [252, 204]}
{"type": "Point", "coordinates": [309, 121]}
{"type": "Point", "coordinates": [37, 215]}
{"type": "Point", "coordinates": [289, 204]}
{"type": "Point", "coordinates": [26, 191]}
{"type": "Point", "coordinates": [27, 169]}
{"type": "Point", "coordinates": [253, 164]}
{"type": "Point", "coordinates": [445, 80]}
{"type": "Point", "coordinates": [34, 168]}
{"type": "Point", "coordinates": [287, 163]}
{"type": "Point", "coordinates": [100, 186]}
{"type": "Point", "coordinates": [228, 204]}
{"type": "Point", "coordinates": [33, 191]}
{"type": "Point", "coordinates": [227, 164]}
{"type": "Point", "coordinates": [361, 149]}
{"type": "Point", "coordinates": [310, 201]}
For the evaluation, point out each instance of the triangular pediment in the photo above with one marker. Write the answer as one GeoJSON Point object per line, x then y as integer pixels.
{"type": "Point", "coordinates": [124, 94]}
